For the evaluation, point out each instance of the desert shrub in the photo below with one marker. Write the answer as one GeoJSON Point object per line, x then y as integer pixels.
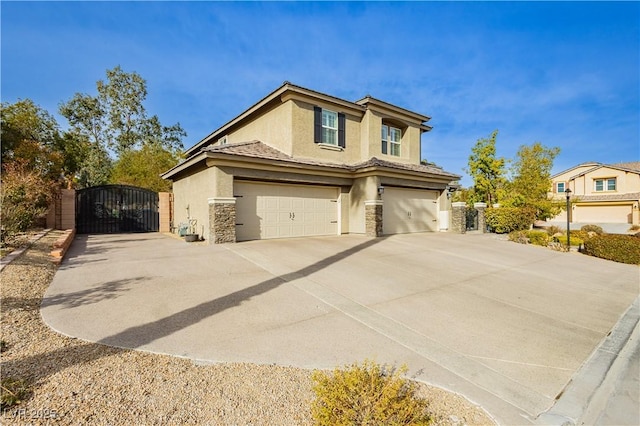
{"type": "Point", "coordinates": [519, 237]}
{"type": "Point", "coordinates": [592, 228]}
{"type": "Point", "coordinates": [13, 391]}
{"type": "Point", "coordinates": [367, 394]}
{"type": "Point", "coordinates": [619, 248]}
{"type": "Point", "coordinates": [577, 239]}
{"type": "Point", "coordinates": [552, 230]}
{"type": "Point", "coordinates": [25, 196]}
{"type": "Point", "coordinates": [538, 238]}
{"type": "Point", "coordinates": [506, 219]}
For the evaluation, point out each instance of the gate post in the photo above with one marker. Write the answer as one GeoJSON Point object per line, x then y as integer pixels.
{"type": "Point", "coordinates": [482, 223]}
{"type": "Point", "coordinates": [165, 213]}
{"type": "Point", "coordinates": [459, 217]}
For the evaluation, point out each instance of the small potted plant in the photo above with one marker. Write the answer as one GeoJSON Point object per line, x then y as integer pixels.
{"type": "Point", "coordinates": [192, 234]}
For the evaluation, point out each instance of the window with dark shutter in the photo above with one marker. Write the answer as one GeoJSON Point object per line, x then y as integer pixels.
{"type": "Point", "coordinates": [317, 124]}
{"type": "Point", "coordinates": [341, 130]}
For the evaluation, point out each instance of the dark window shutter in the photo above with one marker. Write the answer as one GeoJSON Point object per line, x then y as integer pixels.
{"type": "Point", "coordinates": [317, 124]}
{"type": "Point", "coordinates": [341, 126]}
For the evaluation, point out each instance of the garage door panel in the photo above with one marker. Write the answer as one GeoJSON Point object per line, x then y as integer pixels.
{"type": "Point", "coordinates": [603, 214]}
{"type": "Point", "coordinates": [281, 211]}
{"type": "Point", "coordinates": [409, 210]}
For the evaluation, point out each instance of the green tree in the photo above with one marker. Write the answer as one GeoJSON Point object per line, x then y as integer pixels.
{"type": "Point", "coordinates": [30, 133]}
{"type": "Point", "coordinates": [143, 167]}
{"type": "Point", "coordinates": [531, 180]}
{"type": "Point", "coordinates": [486, 170]}
{"type": "Point", "coordinates": [116, 121]}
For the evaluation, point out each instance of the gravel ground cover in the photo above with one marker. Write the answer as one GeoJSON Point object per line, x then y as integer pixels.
{"type": "Point", "coordinates": [78, 382]}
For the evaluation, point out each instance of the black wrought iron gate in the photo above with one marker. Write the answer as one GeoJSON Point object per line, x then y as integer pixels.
{"type": "Point", "coordinates": [472, 219]}
{"type": "Point", "coordinates": [112, 209]}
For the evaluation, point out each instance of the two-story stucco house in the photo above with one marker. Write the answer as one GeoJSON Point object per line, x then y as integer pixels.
{"type": "Point", "coordinates": [600, 193]}
{"type": "Point", "coordinates": [302, 163]}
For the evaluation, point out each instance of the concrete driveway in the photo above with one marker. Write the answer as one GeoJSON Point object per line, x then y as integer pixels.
{"type": "Point", "coordinates": [506, 325]}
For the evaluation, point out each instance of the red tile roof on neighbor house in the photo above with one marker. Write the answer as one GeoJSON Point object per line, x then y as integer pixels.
{"type": "Point", "coordinates": [257, 149]}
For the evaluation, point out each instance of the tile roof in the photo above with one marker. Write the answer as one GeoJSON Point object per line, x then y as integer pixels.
{"type": "Point", "coordinates": [610, 197]}
{"type": "Point", "coordinates": [634, 165]}
{"type": "Point", "coordinates": [257, 149]}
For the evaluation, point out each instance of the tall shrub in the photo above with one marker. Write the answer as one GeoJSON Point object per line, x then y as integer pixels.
{"type": "Point", "coordinates": [25, 196]}
{"type": "Point", "coordinates": [506, 219]}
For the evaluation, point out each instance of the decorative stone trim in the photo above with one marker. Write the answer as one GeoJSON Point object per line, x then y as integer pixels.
{"type": "Point", "coordinates": [459, 217]}
{"type": "Point", "coordinates": [373, 217]}
{"type": "Point", "coordinates": [222, 200]}
{"type": "Point", "coordinates": [222, 220]}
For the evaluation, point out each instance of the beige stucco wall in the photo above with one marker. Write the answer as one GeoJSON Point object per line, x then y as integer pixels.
{"type": "Point", "coordinates": [303, 132]}
{"type": "Point", "coordinates": [273, 127]}
{"type": "Point", "coordinates": [194, 191]}
{"type": "Point", "coordinates": [371, 142]}
{"type": "Point", "coordinates": [363, 189]}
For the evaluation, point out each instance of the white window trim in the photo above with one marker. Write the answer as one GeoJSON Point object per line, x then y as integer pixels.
{"type": "Point", "coordinates": [605, 184]}
{"type": "Point", "coordinates": [334, 130]}
{"type": "Point", "coordinates": [564, 187]}
{"type": "Point", "coordinates": [391, 142]}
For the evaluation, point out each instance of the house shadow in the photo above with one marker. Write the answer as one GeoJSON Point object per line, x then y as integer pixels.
{"type": "Point", "coordinates": [77, 352]}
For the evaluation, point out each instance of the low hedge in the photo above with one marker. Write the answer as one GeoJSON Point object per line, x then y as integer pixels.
{"type": "Point", "coordinates": [619, 248]}
{"type": "Point", "coordinates": [506, 219]}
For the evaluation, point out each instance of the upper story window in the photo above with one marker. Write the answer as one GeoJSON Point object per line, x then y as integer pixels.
{"type": "Point", "coordinates": [329, 127]}
{"type": "Point", "coordinates": [560, 187]}
{"type": "Point", "coordinates": [391, 137]}
{"type": "Point", "coordinates": [600, 185]}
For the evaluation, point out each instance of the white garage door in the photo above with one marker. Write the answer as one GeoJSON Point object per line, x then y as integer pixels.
{"type": "Point", "coordinates": [279, 211]}
{"type": "Point", "coordinates": [603, 214]}
{"type": "Point", "coordinates": [409, 210]}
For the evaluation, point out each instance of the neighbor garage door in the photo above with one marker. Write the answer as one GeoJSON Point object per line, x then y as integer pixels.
{"type": "Point", "coordinates": [409, 210]}
{"type": "Point", "coordinates": [265, 210]}
{"type": "Point", "coordinates": [603, 214]}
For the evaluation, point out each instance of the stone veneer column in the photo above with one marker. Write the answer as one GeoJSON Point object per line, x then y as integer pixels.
{"type": "Point", "coordinates": [373, 218]}
{"type": "Point", "coordinates": [482, 221]}
{"type": "Point", "coordinates": [222, 220]}
{"type": "Point", "coordinates": [459, 217]}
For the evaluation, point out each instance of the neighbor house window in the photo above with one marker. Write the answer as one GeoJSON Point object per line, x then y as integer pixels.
{"type": "Point", "coordinates": [605, 184]}
{"type": "Point", "coordinates": [329, 127]}
{"type": "Point", "coordinates": [391, 140]}
{"type": "Point", "coordinates": [560, 187]}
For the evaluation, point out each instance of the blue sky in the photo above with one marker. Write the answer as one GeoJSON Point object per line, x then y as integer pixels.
{"type": "Point", "coordinates": [563, 74]}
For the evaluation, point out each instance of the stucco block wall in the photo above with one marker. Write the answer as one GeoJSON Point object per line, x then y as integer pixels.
{"type": "Point", "coordinates": [193, 191]}
{"type": "Point", "coordinates": [165, 211]}
{"type": "Point", "coordinates": [62, 211]}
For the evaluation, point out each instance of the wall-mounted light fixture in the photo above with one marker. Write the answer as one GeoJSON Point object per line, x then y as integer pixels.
{"type": "Point", "coordinates": [380, 190]}
{"type": "Point", "coordinates": [450, 191]}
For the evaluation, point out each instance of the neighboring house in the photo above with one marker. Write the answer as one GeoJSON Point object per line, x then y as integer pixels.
{"type": "Point", "coordinates": [600, 193]}
{"type": "Point", "coordinates": [303, 163]}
